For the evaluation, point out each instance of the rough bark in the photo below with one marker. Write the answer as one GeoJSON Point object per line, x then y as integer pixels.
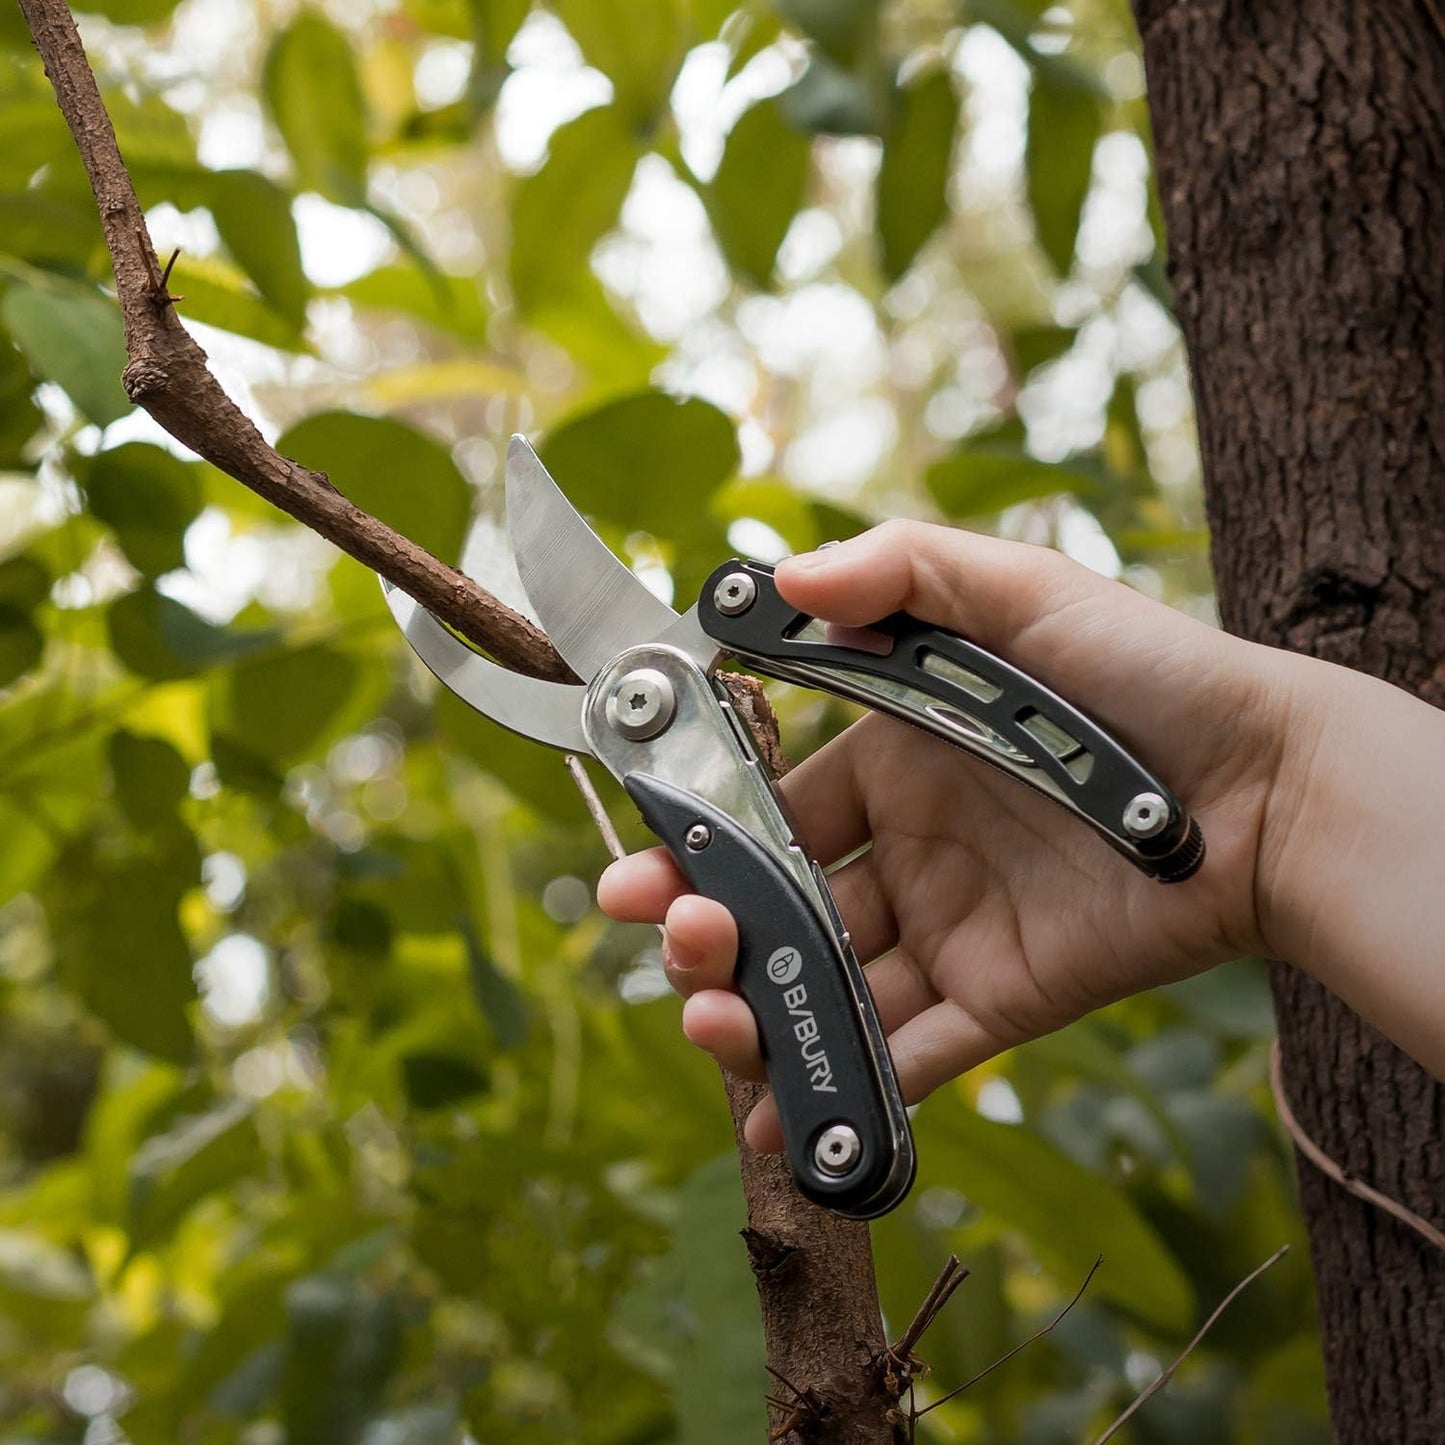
{"type": "Point", "coordinates": [1301, 156]}
{"type": "Point", "coordinates": [814, 1272]}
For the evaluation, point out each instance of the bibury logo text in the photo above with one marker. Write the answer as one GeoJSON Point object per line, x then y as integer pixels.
{"type": "Point", "coordinates": [784, 965]}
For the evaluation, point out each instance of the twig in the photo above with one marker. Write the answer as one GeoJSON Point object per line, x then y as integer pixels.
{"type": "Point", "coordinates": [1328, 1167]}
{"type": "Point", "coordinates": [167, 374]}
{"type": "Point", "coordinates": [1004, 1359]}
{"type": "Point", "coordinates": [1168, 1374]}
{"type": "Point", "coordinates": [949, 1278]}
{"type": "Point", "coordinates": [594, 806]}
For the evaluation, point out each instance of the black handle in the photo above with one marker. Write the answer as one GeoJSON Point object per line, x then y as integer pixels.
{"type": "Point", "coordinates": [827, 1062]}
{"type": "Point", "coordinates": [964, 694]}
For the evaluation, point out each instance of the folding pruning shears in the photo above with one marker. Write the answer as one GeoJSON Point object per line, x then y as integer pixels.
{"type": "Point", "coordinates": [652, 713]}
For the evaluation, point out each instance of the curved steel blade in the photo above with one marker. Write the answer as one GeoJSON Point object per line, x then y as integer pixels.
{"type": "Point", "coordinates": [550, 712]}
{"type": "Point", "coordinates": [588, 602]}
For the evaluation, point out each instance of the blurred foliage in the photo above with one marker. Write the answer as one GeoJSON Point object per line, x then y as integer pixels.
{"type": "Point", "coordinates": [329, 1109]}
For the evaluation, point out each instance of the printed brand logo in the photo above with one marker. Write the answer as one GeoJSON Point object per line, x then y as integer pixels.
{"type": "Point", "coordinates": [784, 965]}
{"type": "Point", "coordinates": [810, 1042]}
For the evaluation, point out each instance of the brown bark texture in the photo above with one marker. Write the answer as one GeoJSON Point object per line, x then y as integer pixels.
{"type": "Point", "coordinates": [1301, 161]}
{"type": "Point", "coordinates": [814, 1272]}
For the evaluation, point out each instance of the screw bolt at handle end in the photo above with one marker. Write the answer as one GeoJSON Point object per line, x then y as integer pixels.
{"type": "Point", "coordinates": [837, 1149]}
{"type": "Point", "coordinates": [1146, 816]}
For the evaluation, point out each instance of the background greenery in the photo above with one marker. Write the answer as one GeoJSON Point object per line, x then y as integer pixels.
{"type": "Point", "coordinates": [330, 1110]}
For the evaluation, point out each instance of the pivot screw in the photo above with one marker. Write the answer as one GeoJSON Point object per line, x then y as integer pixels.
{"type": "Point", "coordinates": [734, 594]}
{"type": "Point", "coordinates": [641, 704]}
{"type": "Point", "coordinates": [837, 1149]}
{"type": "Point", "coordinates": [698, 837]}
{"type": "Point", "coordinates": [1146, 816]}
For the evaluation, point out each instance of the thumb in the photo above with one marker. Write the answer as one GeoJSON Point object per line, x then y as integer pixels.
{"type": "Point", "coordinates": [1083, 634]}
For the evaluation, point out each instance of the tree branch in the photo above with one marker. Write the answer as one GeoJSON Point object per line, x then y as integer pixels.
{"type": "Point", "coordinates": [814, 1271]}
{"type": "Point", "coordinates": [1165, 1375]}
{"type": "Point", "coordinates": [167, 375]}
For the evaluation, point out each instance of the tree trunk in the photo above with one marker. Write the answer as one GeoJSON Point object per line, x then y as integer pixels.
{"type": "Point", "coordinates": [1301, 155]}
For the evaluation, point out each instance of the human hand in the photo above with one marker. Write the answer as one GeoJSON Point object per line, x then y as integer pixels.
{"type": "Point", "coordinates": [989, 917]}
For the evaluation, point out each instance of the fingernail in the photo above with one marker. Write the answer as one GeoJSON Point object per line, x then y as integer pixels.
{"type": "Point", "coordinates": [679, 956]}
{"type": "Point", "coordinates": [803, 562]}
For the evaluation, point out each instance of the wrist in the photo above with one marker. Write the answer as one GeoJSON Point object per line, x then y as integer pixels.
{"type": "Point", "coordinates": [1315, 802]}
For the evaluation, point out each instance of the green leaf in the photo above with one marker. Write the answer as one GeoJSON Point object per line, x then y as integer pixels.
{"type": "Point", "coordinates": [827, 99]}
{"type": "Point", "coordinates": [215, 293]}
{"type": "Point", "coordinates": [637, 44]}
{"type": "Point", "coordinates": [282, 704]}
{"type": "Point", "coordinates": [709, 16]}
{"type": "Point", "coordinates": [774, 503]}
{"type": "Point", "coordinates": [1068, 1214]}
{"type": "Point", "coordinates": [21, 644]}
{"type": "Point", "coordinates": [532, 773]}
{"type": "Point", "coordinates": [253, 215]}
{"type": "Point", "coordinates": [646, 462]}
{"type": "Point", "coordinates": [197, 1156]}
{"type": "Point", "coordinates": [1233, 999]}
{"type": "Point", "coordinates": [123, 952]}
{"type": "Point", "coordinates": [759, 186]}
{"type": "Point", "coordinates": [976, 481]}
{"type": "Point", "coordinates": [159, 638]}
{"type": "Point", "coordinates": [450, 303]}
{"type": "Point", "coordinates": [71, 334]}
{"type": "Point", "coordinates": [843, 29]}
{"type": "Point", "coordinates": [24, 583]}
{"type": "Point", "coordinates": [49, 225]}
{"type": "Point", "coordinates": [499, 998]}
{"type": "Point", "coordinates": [33, 134]}
{"type": "Point", "coordinates": [395, 472]}
{"type": "Point", "coordinates": [1035, 346]}
{"type": "Point", "coordinates": [1065, 121]}
{"type": "Point", "coordinates": [314, 94]}
{"type": "Point", "coordinates": [559, 214]}
{"type": "Point", "coordinates": [692, 1319]}
{"type": "Point", "coordinates": [440, 1080]}
{"type": "Point", "coordinates": [917, 163]}
{"type": "Point", "coordinates": [150, 777]}
{"type": "Point", "coordinates": [20, 417]}
{"type": "Point", "coordinates": [148, 498]}
{"type": "Point", "coordinates": [342, 1346]}
{"type": "Point", "coordinates": [130, 12]}
{"type": "Point", "coordinates": [494, 23]}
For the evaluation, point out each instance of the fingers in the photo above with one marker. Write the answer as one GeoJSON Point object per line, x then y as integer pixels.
{"type": "Point", "coordinates": [723, 1024]}
{"type": "Point", "coordinates": [641, 887]}
{"type": "Point", "coordinates": [932, 1047]}
{"type": "Point", "coordinates": [701, 946]}
{"type": "Point", "coordinates": [1031, 604]}
{"type": "Point", "coordinates": [986, 586]}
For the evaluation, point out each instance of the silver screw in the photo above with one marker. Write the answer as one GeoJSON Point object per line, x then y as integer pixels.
{"type": "Point", "coordinates": [698, 837]}
{"type": "Point", "coordinates": [1146, 816]}
{"type": "Point", "coordinates": [641, 704]}
{"type": "Point", "coordinates": [837, 1149]}
{"type": "Point", "coordinates": [734, 594]}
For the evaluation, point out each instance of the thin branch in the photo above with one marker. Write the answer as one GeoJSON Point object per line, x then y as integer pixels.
{"type": "Point", "coordinates": [1166, 1375]}
{"type": "Point", "coordinates": [605, 825]}
{"type": "Point", "coordinates": [167, 374]}
{"type": "Point", "coordinates": [1037, 1335]}
{"type": "Point", "coordinates": [949, 1278]}
{"type": "Point", "coordinates": [1328, 1167]}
